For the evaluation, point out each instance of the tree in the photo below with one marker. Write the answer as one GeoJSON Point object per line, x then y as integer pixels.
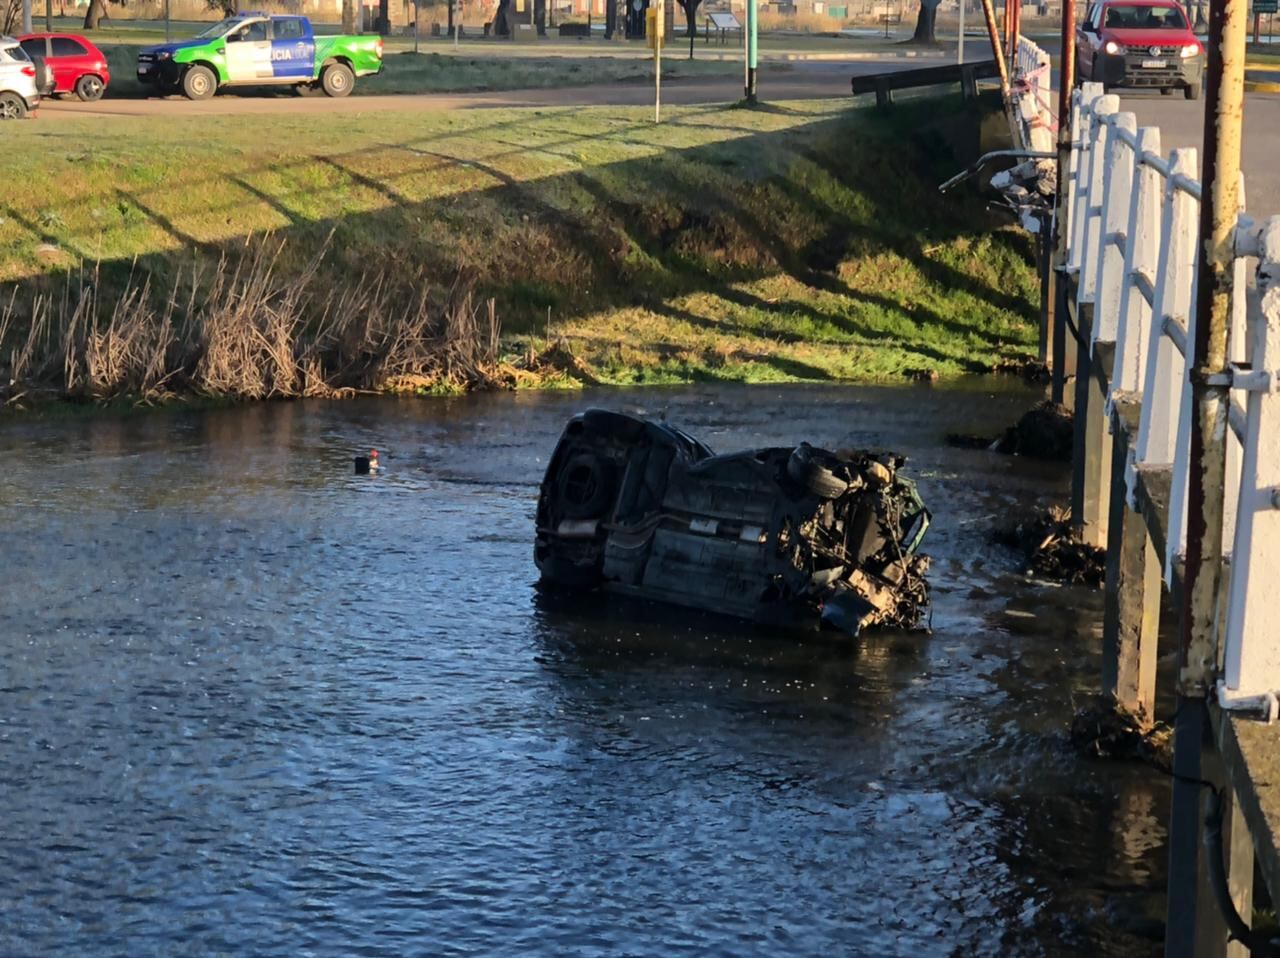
{"type": "Point", "coordinates": [502, 19]}
{"type": "Point", "coordinates": [690, 8]}
{"type": "Point", "coordinates": [610, 18]}
{"type": "Point", "coordinates": [926, 24]}
{"type": "Point", "coordinates": [93, 16]}
{"type": "Point", "coordinates": [348, 16]}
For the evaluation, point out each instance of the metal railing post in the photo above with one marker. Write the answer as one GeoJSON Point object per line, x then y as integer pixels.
{"type": "Point", "coordinates": [1142, 254]}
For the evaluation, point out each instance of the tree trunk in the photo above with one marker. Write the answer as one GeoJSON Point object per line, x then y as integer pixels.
{"type": "Point", "coordinates": [691, 17]}
{"type": "Point", "coordinates": [348, 16]}
{"type": "Point", "coordinates": [383, 25]}
{"type": "Point", "coordinates": [610, 18]}
{"type": "Point", "coordinates": [502, 19]}
{"type": "Point", "coordinates": [93, 16]}
{"type": "Point", "coordinates": [451, 17]}
{"type": "Point", "coordinates": [926, 23]}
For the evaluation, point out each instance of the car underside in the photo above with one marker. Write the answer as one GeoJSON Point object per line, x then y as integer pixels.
{"type": "Point", "coordinates": [793, 536]}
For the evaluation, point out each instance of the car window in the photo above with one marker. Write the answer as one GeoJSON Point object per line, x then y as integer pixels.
{"type": "Point", "coordinates": [66, 47]}
{"type": "Point", "coordinates": [34, 48]}
{"type": "Point", "coordinates": [1126, 17]}
{"type": "Point", "coordinates": [15, 52]}
{"type": "Point", "coordinates": [287, 28]}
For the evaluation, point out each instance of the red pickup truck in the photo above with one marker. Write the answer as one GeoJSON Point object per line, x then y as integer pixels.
{"type": "Point", "coordinates": [1140, 43]}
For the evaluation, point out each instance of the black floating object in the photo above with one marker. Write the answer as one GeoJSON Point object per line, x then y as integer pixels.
{"type": "Point", "coordinates": [362, 465]}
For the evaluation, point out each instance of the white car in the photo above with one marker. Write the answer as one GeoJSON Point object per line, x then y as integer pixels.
{"type": "Point", "coordinates": [19, 93]}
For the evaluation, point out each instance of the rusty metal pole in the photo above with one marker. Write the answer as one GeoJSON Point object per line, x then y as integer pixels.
{"type": "Point", "coordinates": [997, 51]}
{"type": "Point", "coordinates": [1057, 334]}
{"type": "Point", "coordinates": [1210, 392]}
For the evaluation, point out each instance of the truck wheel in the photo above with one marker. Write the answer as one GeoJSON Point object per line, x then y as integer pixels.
{"type": "Point", "coordinates": [1191, 91]}
{"type": "Point", "coordinates": [337, 79]}
{"type": "Point", "coordinates": [199, 83]}
{"type": "Point", "coordinates": [12, 107]}
{"type": "Point", "coordinates": [89, 88]}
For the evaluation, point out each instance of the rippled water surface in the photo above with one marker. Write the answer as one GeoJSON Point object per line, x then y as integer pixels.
{"type": "Point", "coordinates": [251, 704]}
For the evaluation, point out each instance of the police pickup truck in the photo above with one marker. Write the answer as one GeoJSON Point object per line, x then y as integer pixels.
{"type": "Point", "coordinates": [257, 49]}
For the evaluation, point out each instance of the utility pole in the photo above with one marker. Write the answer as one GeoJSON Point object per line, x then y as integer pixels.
{"type": "Point", "coordinates": [751, 57]}
{"type": "Point", "coordinates": [960, 44]}
{"type": "Point", "coordinates": [26, 16]}
{"type": "Point", "coordinates": [1210, 399]}
{"type": "Point", "coordinates": [1057, 332]}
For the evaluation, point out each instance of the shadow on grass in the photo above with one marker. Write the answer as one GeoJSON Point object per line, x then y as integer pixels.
{"type": "Point", "coordinates": [806, 207]}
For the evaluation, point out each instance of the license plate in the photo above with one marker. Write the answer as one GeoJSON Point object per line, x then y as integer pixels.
{"type": "Point", "coordinates": [144, 69]}
{"type": "Point", "coordinates": [1155, 64]}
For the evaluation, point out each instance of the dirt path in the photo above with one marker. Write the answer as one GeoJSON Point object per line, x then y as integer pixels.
{"type": "Point", "coordinates": [815, 81]}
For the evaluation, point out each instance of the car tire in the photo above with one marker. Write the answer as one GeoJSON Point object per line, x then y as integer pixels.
{"type": "Point", "coordinates": [586, 487]}
{"type": "Point", "coordinates": [814, 470]}
{"type": "Point", "coordinates": [1166, 91]}
{"type": "Point", "coordinates": [199, 83]}
{"type": "Point", "coordinates": [12, 107]}
{"type": "Point", "coordinates": [90, 88]}
{"type": "Point", "coordinates": [1191, 91]}
{"type": "Point", "coordinates": [337, 79]}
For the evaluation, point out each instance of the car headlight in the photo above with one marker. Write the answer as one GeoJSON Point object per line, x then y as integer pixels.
{"type": "Point", "coordinates": [1115, 48]}
{"type": "Point", "coordinates": [1188, 51]}
{"type": "Point", "coordinates": [164, 55]}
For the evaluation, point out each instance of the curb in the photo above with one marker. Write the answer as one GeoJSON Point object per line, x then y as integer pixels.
{"type": "Point", "coordinates": [1259, 86]}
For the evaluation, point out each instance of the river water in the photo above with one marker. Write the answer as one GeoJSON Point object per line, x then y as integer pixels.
{"type": "Point", "coordinates": [252, 704]}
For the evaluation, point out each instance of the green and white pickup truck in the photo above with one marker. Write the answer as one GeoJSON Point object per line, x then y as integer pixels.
{"type": "Point", "coordinates": [255, 49]}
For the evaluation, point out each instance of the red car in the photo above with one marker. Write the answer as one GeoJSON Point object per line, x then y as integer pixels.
{"type": "Point", "coordinates": [78, 66]}
{"type": "Point", "coordinates": [1140, 43]}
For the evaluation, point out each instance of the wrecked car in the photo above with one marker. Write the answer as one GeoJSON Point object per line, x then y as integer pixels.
{"type": "Point", "coordinates": [791, 536]}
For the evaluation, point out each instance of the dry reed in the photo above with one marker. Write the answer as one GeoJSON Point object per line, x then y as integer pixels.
{"type": "Point", "coordinates": [245, 331]}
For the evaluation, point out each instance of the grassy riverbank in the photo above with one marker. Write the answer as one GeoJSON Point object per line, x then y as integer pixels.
{"type": "Point", "coordinates": [804, 242]}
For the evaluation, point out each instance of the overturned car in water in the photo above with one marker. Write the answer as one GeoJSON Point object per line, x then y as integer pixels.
{"type": "Point", "coordinates": [794, 536]}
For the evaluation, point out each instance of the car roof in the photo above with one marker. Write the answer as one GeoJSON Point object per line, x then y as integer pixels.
{"type": "Point", "coordinates": [1142, 3]}
{"type": "Point", "coordinates": [55, 36]}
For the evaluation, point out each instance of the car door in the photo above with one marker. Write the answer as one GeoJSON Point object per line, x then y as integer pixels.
{"type": "Point", "coordinates": [69, 60]}
{"type": "Point", "coordinates": [249, 53]}
{"type": "Point", "coordinates": [293, 49]}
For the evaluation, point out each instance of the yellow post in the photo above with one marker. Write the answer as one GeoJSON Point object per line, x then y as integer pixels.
{"type": "Point", "coordinates": [654, 28]}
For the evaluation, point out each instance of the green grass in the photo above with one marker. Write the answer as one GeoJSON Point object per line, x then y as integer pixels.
{"type": "Point", "coordinates": [799, 243]}
{"type": "Point", "coordinates": [446, 73]}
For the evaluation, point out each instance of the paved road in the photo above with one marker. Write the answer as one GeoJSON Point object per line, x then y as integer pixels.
{"type": "Point", "coordinates": [1181, 124]}
{"type": "Point", "coordinates": [807, 82]}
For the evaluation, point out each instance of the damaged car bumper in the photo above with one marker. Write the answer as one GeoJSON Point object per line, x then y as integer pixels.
{"type": "Point", "coordinates": [795, 536]}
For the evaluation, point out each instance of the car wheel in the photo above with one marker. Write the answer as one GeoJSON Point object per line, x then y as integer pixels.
{"type": "Point", "coordinates": [199, 83]}
{"type": "Point", "coordinates": [337, 79]}
{"type": "Point", "coordinates": [815, 471]}
{"type": "Point", "coordinates": [89, 88]}
{"type": "Point", "coordinates": [12, 107]}
{"type": "Point", "coordinates": [586, 486]}
{"type": "Point", "coordinates": [1166, 91]}
{"type": "Point", "coordinates": [1191, 91]}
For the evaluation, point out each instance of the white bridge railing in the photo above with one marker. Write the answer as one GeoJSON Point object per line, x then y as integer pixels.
{"type": "Point", "coordinates": [1133, 247]}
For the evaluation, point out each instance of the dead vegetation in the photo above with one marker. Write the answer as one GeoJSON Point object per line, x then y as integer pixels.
{"type": "Point", "coordinates": [1101, 728]}
{"type": "Point", "coordinates": [244, 330]}
{"type": "Point", "coordinates": [1053, 550]}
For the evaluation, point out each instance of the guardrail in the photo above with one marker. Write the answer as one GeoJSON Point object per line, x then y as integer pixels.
{"type": "Point", "coordinates": [1126, 280]}
{"type": "Point", "coordinates": [1133, 251]}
